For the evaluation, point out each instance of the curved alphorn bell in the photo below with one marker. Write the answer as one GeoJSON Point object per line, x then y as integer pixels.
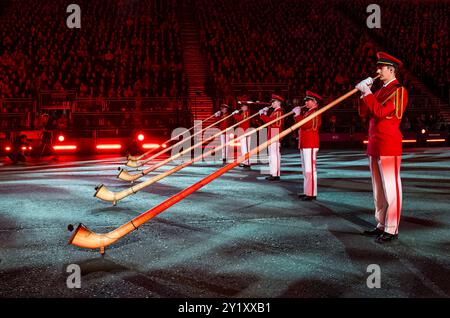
{"type": "Point", "coordinates": [85, 238]}
{"type": "Point", "coordinates": [137, 158]}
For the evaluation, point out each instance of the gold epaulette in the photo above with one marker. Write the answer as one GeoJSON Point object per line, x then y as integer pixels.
{"type": "Point", "coordinates": [398, 96]}
{"type": "Point", "coordinates": [278, 123]}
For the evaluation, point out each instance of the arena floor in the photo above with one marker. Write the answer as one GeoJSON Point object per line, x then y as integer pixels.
{"type": "Point", "coordinates": [239, 236]}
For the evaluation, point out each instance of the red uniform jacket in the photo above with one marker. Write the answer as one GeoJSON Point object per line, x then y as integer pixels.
{"type": "Point", "coordinates": [308, 134]}
{"type": "Point", "coordinates": [240, 117]}
{"type": "Point", "coordinates": [227, 122]}
{"type": "Point", "coordinates": [277, 126]}
{"type": "Point", "coordinates": [385, 109]}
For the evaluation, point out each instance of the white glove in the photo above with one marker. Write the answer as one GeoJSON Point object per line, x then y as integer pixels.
{"type": "Point", "coordinates": [217, 114]}
{"type": "Point", "coordinates": [363, 88]}
{"type": "Point", "coordinates": [261, 111]}
{"type": "Point", "coordinates": [235, 112]}
{"type": "Point", "coordinates": [296, 111]}
{"type": "Point", "coordinates": [266, 109]}
{"type": "Point", "coordinates": [368, 81]}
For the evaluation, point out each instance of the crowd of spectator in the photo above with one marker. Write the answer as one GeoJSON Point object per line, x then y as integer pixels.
{"type": "Point", "coordinates": [129, 48]}
{"type": "Point", "coordinates": [123, 49]}
{"type": "Point", "coordinates": [307, 45]}
{"type": "Point", "coordinates": [417, 32]}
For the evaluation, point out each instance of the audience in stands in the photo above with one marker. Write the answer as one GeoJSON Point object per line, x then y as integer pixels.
{"type": "Point", "coordinates": [123, 49]}
{"type": "Point", "coordinates": [132, 49]}
{"type": "Point", "coordinates": [418, 33]}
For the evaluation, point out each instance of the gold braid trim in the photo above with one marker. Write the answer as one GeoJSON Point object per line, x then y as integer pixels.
{"type": "Point", "coordinates": [398, 103]}
{"type": "Point", "coordinates": [278, 123]}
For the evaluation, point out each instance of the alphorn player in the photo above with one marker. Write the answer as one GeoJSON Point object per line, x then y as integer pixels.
{"type": "Point", "coordinates": [385, 109]}
{"type": "Point", "coordinates": [238, 117]}
{"type": "Point", "coordinates": [273, 130]}
{"type": "Point", "coordinates": [308, 143]}
{"type": "Point", "coordinates": [223, 125]}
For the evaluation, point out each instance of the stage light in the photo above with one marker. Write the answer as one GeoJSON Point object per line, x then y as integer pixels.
{"type": "Point", "coordinates": [435, 140]}
{"type": "Point", "coordinates": [108, 146]}
{"type": "Point", "coordinates": [406, 141]}
{"type": "Point", "coordinates": [24, 148]}
{"type": "Point", "coordinates": [64, 147]}
{"type": "Point", "coordinates": [423, 131]}
{"type": "Point", "coordinates": [8, 148]}
{"type": "Point", "coordinates": [150, 146]}
{"type": "Point", "coordinates": [164, 145]}
{"type": "Point", "coordinates": [141, 137]}
{"type": "Point", "coordinates": [29, 148]}
{"type": "Point", "coordinates": [61, 138]}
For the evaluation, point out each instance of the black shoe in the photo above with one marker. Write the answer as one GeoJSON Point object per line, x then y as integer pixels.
{"type": "Point", "coordinates": [272, 178]}
{"type": "Point", "coordinates": [301, 195]}
{"type": "Point", "coordinates": [386, 237]}
{"type": "Point", "coordinates": [375, 232]}
{"type": "Point", "coordinates": [308, 198]}
{"type": "Point", "coordinates": [224, 161]}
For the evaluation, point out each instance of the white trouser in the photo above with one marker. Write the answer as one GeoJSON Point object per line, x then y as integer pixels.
{"type": "Point", "coordinates": [245, 147]}
{"type": "Point", "coordinates": [225, 138]}
{"type": "Point", "coordinates": [274, 159]}
{"type": "Point", "coordinates": [309, 171]}
{"type": "Point", "coordinates": [387, 191]}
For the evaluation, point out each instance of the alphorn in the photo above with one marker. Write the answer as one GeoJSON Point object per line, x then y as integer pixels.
{"type": "Point", "coordinates": [103, 193]}
{"type": "Point", "coordinates": [137, 158]}
{"type": "Point", "coordinates": [85, 238]}
{"type": "Point", "coordinates": [135, 164]}
{"type": "Point", "coordinates": [126, 176]}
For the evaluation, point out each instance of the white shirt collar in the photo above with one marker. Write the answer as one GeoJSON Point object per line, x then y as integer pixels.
{"type": "Point", "coordinates": [384, 85]}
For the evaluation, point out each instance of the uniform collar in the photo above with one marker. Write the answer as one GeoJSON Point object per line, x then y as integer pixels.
{"type": "Point", "coordinates": [312, 109]}
{"type": "Point", "coordinates": [384, 85]}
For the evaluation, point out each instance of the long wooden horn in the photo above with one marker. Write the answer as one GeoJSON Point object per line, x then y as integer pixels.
{"type": "Point", "coordinates": [103, 193]}
{"type": "Point", "coordinates": [135, 164]}
{"type": "Point", "coordinates": [136, 158]}
{"type": "Point", "coordinates": [83, 237]}
{"type": "Point", "coordinates": [126, 176]}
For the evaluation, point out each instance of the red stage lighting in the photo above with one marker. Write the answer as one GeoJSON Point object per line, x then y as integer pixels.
{"type": "Point", "coordinates": [141, 137]}
{"type": "Point", "coordinates": [405, 141]}
{"type": "Point", "coordinates": [64, 147]}
{"type": "Point", "coordinates": [8, 148]}
{"type": "Point", "coordinates": [150, 146]}
{"type": "Point", "coordinates": [61, 138]}
{"type": "Point", "coordinates": [108, 146]}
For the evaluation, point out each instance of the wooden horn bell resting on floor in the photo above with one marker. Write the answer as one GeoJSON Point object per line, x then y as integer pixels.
{"type": "Point", "coordinates": [137, 158]}
{"type": "Point", "coordinates": [135, 164]}
{"type": "Point", "coordinates": [126, 176]}
{"type": "Point", "coordinates": [104, 194]}
{"type": "Point", "coordinates": [83, 237]}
